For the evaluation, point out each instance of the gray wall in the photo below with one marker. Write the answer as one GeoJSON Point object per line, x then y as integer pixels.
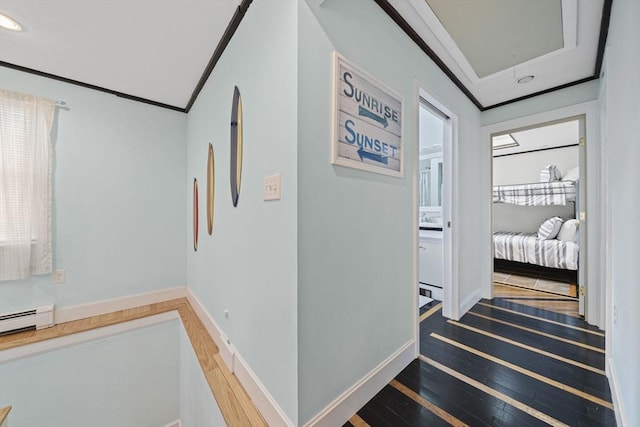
{"type": "Point", "coordinates": [356, 230]}
{"type": "Point", "coordinates": [525, 168]}
{"type": "Point", "coordinates": [248, 266]}
{"type": "Point", "coordinates": [118, 198]}
{"type": "Point", "coordinates": [621, 108]}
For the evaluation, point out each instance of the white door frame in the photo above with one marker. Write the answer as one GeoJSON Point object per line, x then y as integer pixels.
{"type": "Point", "coordinates": [594, 274]}
{"type": "Point", "coordinates": [450, 304]}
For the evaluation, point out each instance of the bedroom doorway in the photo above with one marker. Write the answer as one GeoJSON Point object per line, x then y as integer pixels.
{"type": "Point", "coordinates": [538, 197]}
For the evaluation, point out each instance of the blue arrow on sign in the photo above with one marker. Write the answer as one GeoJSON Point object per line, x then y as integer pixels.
{"type": "Point", "coordinates": [372, 156]}
{"type": "Point", "coordinates": [366, 113]}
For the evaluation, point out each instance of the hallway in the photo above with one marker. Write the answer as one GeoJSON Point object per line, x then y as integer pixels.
{"type": "Point", "coordinates": [504, 364]}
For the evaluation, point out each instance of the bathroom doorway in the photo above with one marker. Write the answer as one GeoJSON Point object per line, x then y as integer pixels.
{"type": "Point", "coordinates": [437, 284]}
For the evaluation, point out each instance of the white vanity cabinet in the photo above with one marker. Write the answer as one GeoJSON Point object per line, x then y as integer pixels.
{"type": "Point", "coordinates": [430, 262]}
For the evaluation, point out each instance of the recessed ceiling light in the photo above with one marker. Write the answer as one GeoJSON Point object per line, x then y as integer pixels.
{"type": "Point", "coordinates": [526, 79]}
{"type": "Point", "coordinates": [9, 24]}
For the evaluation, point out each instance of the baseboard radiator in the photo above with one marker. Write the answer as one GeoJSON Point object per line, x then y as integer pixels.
{"type": "Point", "coordinates": [36, 318]}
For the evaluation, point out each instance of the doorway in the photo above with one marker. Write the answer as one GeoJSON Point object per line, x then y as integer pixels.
{"type": "Point", "coordinates": [536, 211]}
{"type": "Point", "coordinates": [437, 133]}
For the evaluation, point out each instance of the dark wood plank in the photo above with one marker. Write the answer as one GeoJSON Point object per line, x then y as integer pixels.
{"type": "Point", "coordinates": [549, 328]}
{"type": "Point", "coordinates": [428, 306]}
{"type": "Point", "coordinates": [482, 372]}
{"type": "Point", "coordinates": [591, 358]}
{"type": "Point", "coordinates": [550, 400]}
{"type": "Point", "coordinates": [550, 315]}
{"type": "Point", "coordinates": [581, 379]}
{"type": "Point", "coordinates": [461, 400]}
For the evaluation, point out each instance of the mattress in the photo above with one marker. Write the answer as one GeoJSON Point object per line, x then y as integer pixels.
{"type": "Point", "coordinates": [527, 248]}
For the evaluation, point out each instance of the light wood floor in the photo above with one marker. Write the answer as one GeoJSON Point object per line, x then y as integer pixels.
{"type": "Point", "coordinates": [537, 283]}
{"type": "Point", "coordinates": [533, 298]}
{"type": "Point", "coordinates": [235, 405]}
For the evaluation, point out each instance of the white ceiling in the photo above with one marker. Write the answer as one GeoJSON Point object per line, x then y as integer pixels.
{"type": "Point", "coordinates": [156, 50]}
{"type": "Point", "coordinates": [159, 50]}
{"type": "Point", "coordinates": [489, 44]}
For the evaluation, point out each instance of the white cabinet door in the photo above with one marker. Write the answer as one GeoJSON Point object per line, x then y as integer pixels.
{"type": "Point", "coordinates": [430, 262]}
{"type": "Point", "coordinates": [422, 262]}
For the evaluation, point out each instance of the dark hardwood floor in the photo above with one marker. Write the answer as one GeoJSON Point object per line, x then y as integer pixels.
{"type": "Point", "coordinates": [502, 364]}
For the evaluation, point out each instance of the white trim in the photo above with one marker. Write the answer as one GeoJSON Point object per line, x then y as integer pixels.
{"type": "Point", "coordinates": [258, 393]}
{"type": "Point", "coordinates": [596, 291]}
{"type": "Point", "coordinates": [451, 296]}
{"type": "Point", "coordinates": [350, 402]}
{"type": "Point", "coordinates": [618, 407]}
{"type": "Point", "coordinates": [415, 241]}
{"type": "Point", "coordinates": [469, 302]}
{"type": "Point", "coordinates": [80, 337]}
{"type": "Point", "coordinates": [83, 311]}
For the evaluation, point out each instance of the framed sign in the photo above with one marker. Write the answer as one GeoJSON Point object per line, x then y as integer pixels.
{"type": "Point", "coordinates": [367, 121]}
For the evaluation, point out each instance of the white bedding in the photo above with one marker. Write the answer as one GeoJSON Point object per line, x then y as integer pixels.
{"type": "Point", "coordinates": [527, 248]}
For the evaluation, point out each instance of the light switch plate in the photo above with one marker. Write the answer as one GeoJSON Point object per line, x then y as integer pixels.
{"type": "Point", "coordinates": [272, 187]}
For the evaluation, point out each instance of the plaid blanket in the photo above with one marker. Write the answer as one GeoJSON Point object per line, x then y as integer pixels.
{"type": "Point", "coordinates": [536, 194]}
{"type": "Point", "coordinates": [526, 247]}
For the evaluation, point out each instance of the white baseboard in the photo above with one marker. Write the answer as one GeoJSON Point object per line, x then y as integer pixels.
{"type": "Point", "coordinates": [266, 404]}
{"type": "Point", "coordinates": [350, 402]}
{"type": "Point", "coordinates": [82, 311]}
{"type": "Point", "coordinates": [618, 404]}
{"type": "Point", "coordinates": [469, 302]}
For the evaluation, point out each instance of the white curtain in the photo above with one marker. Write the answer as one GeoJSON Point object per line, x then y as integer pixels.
{"type": "Point", "coordinates": [25, 185]}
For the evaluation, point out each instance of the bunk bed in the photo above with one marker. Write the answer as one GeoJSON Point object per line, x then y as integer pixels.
{"type": "Point", "coordinates": [555, 193]}
{"type": "Point", "coordinates": [557, 257]}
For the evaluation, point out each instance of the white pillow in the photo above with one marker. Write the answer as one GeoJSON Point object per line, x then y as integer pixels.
{"type": "Point", "coordinates": [569, 231]}
{"type": "Point", "coordinates": [571, 175]}
{"type": "Point", "coordinates": [550, 228]}
{"type": "Point", "coordinates": [550, 173]}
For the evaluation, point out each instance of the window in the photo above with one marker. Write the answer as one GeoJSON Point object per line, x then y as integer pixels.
{"type": "Point", "coordinates": [25, 185]}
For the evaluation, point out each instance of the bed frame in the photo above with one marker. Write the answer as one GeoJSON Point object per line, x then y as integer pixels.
{"type": "Point", "coordinates": [536, 271]}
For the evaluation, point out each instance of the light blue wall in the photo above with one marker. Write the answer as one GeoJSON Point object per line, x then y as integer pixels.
{"type": "Point", "coordinates": [129, 379]}
{"type": "Point", "coordinates": [249, 265]}
{"type": "Point", "coordinates": [356, 230]}
{"type": "Point", "coordinates": [621, 101]}
{"type": "Point", "coordinates": [118, 198]}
